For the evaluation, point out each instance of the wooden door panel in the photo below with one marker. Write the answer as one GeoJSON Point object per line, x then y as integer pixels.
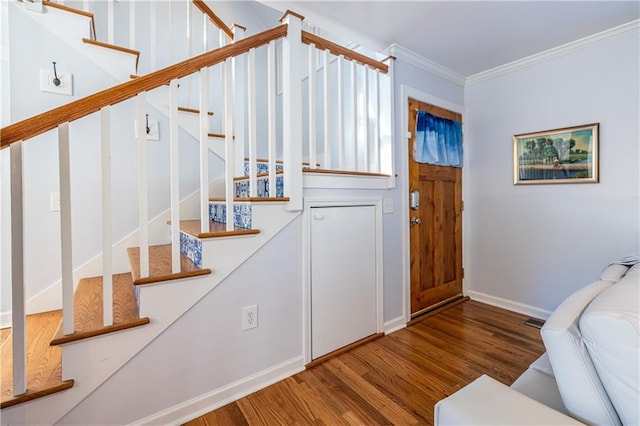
{"type": "Point", "coordinates": [436, 243]}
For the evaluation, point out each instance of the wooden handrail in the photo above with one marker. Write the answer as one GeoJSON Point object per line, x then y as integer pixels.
{"type": "Point", "coordinates": [200, 4]}
{"type": "Point", "coordinates": [46, 121]}
{"type": "Point", "coordinates": [336, 49]}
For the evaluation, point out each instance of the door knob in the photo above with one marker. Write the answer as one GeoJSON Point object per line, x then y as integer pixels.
{"type": "Point", "coordinates": [415, 220]}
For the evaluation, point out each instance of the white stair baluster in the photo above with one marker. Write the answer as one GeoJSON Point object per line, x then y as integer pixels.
{"type": "Point", "coordinates": [228, 144]}
{"type": "Point", "coordinates": [110, 21]}
{"type": "Point", "coordinates": [204, 149]}
{"type": "Point", "coordinates": [340, 113]}
{"type": "Point", "coordinates": [366, 161]}
{"type": "Point", "coordinates": [239, 82]}
{"type": "Point", "coordinates": [312, 106]}
{"type": "Point", "coordinates": [143, 202]}
{"type": "Point", "coordinates": [18, 309]}
{"type": "Point", "coordinates": [271, 115]}
{"type": "Point", "coordinates": [132, 24]}
{"type": "Point", "coordinates": [189, 51]}
{"type": "Point", "coordinates": [353, 87]}
{"type": "Point", "coordinates": [375, 141]}
{"type": "Point", "coordinates": [153, 35]}
{"type": "Point", "coordinates": [175, 176]}
{"type": "Point", "coordinates": [65, 228]}
{"type": "Point", "coordinates": [327, 109]}
{"type": "Point", "coordinates": [205, 33]}
{"type": "Point", "coordinates": [291, 110]}
{"type": "Point", "coordinates": [251, 104]}
{"type": "Point", "coordinates": [107, 269]}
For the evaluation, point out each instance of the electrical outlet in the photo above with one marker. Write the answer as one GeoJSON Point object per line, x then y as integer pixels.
{"type": "Point", "coordinates": [249, 317]}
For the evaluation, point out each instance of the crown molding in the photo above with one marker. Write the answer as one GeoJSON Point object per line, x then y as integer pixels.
{"type": "Point", "coordinates": [607, 35]}
{"type": "Point", "coordinates": [413, 58]}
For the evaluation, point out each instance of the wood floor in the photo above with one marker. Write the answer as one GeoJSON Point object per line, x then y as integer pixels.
{"type": "Point", "coordinates": [398, 378]}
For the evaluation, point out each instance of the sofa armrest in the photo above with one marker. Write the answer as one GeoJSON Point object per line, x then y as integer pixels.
{"type": "Point", "coordinates": [486, 401]}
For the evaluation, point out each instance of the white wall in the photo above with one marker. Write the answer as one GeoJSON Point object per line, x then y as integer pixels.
{"type": "Point", "coordinates": [206, 349]}
{"type": "Point", "coordinates": [536, 244]}
{"type": "Point", "coordinates": [395, 226]}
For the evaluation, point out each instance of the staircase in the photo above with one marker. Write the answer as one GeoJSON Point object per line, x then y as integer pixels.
{"type": "Point", "coordinates": [111, 317]}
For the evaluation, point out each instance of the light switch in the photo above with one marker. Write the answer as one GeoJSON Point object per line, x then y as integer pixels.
{"type": "Point", "coordinates": [387, 205]}
{"type": "Point", "coordinates": [54, 201]}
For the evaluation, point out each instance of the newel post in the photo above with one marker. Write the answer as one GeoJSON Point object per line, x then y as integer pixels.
{"type": "Point", "coordinates": [292, 109]}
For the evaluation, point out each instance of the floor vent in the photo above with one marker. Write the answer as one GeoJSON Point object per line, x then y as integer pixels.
{"type": "Point", "coordinates": [534, 322]}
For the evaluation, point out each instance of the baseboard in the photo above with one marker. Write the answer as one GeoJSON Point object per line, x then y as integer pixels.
{"type": "Point", "coordinates": [394, 325]}
{"type": "Point", "coordinates": [181, 413]}
{"type": "Point", "coordinates": [510, 305]}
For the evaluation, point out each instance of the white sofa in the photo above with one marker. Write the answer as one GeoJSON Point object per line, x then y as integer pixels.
{"type": "Point", "coordinates": [590, 373]}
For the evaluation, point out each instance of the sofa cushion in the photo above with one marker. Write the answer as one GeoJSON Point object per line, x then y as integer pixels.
{"type": "Point", "coordinates": [610, 328]}
{"type": "Point", "coordinates": [485, 401]}
{"type": "Point", "coordinates": [582, 392]}
{"type": "Point", "coordinates": [539, 383]}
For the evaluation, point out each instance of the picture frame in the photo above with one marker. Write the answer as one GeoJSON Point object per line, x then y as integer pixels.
{"type": "Point", "coordinates": [566, 155]}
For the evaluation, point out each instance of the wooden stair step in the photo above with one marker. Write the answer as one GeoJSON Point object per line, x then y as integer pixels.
{"type": "Point", "coordinates": [76, 11]}
{"type": "Point", "coordinates": [192, 110]}
{"type": "Point", "coordinates": [160, 265]}
{"type": "Point", "coordinates": [216, 230]}
{"type": "Point", "coordinates": [259, 175]}
{"type": "Point", "coordinates": [266, 160]}
{"type": "Point", "coordinates": [44, 362]}
{"type": "Point", "coordinates": [218, 135]}
{"type": "Point", "coordinates": [344, 172]}
{"type": "Point", "coordinates": [88, 309]}
{"type": "Point", "coordinates": [251, 199]}
{"type": "Point", "coordinates": [136, 53]}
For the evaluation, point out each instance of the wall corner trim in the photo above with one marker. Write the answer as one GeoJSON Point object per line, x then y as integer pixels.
{"type": "Point", "coordinates": [564, 49]}
{"type": "Point", "coordinates": [428, 65]}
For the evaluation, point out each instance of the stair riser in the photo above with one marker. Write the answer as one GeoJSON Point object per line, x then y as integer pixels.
{"type": "Point", "coordinates": [261, 168]}
{"type": "Point", "coordinates": [191, 247]}
{"type": "Point", "coordinates": [241, 214]}
{"type": "Point", "coordinates": [263, 187]}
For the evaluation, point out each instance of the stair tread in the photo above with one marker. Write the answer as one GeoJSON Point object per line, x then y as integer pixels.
{"type": "Point", "coordinates": [44, 362]}
{"type": "Point", "coordinates": [259, 175]}
{"type": "Point", "coordinates": [266, 160]}
{"type": "Point", "coordinates": [87, 302]}
{"type": "Point", "coordinates": [134, 52]}
{"type": "Point", "coordinates": [252, 199]}
{"type": "Point", "coordinates": [160, 265]}
{"type": "Point", "coordinates": [76, 11]}
{"type": "Point", "coordinates": [218, 135]}
{"type": "Point", "coordinates": [216, 229]}
{"type": "Point", "coordinates": [344, 172]}
{"type": "Point", "coordinates": [192, 110]}
{"type": "Point", "coordinates": [88, 309]}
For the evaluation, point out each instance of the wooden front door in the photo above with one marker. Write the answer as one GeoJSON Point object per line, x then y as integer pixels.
{"type": "Point", "coordinates": [435, 226]}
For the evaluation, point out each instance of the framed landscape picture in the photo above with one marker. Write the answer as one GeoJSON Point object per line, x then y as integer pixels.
{"type": "Point", "coordinates": [568, 155]}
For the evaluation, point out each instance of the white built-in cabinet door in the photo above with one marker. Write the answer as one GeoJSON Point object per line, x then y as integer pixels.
{"type": "Point", "coordinates": [343, 276]}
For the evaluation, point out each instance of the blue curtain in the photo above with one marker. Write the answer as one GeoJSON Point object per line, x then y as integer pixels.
{"type": "Point", "coordinates": [438, 141]}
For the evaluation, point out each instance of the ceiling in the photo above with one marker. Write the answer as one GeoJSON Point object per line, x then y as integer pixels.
{"type": "Point", "coordinates": [467, 37]}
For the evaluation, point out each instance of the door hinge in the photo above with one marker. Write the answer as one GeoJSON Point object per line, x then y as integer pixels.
{"type": "Point", "coordinates": [462, 272]}
{"type": "Point", "coordinates": [462, 205]}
